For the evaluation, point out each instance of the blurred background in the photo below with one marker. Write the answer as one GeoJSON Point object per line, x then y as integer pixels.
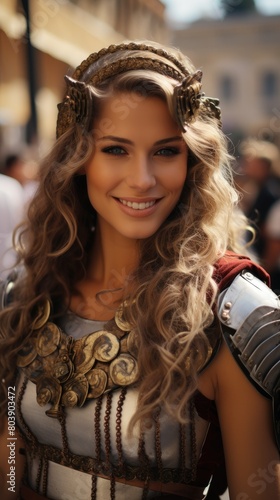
{"type": "Point", "coordinates": [236, 43]}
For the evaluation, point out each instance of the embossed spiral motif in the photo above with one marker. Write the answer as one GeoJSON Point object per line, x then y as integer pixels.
{"type": "Point", "coordinates": [67, 372]}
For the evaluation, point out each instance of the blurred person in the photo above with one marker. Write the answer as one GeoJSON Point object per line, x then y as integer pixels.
{"type": "Point", "coordinates": [272, 237]}
{"type": "Point", "coordinates": [124, 331]}
{"type": "Point", "coordinates": [258, 180]}
{"type": "Point", "coordinates": [24, 171]}
{"type": "Point", "coordinates": [11, 214]}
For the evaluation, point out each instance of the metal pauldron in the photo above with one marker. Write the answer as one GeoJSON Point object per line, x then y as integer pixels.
{"type": "Point", "coordinates": [6, 287]}
{"type": "Point", "coordinates": [249, 313]}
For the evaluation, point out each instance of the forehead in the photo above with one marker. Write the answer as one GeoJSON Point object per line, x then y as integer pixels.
{"type": "Point", "coordinates": [134, 114]}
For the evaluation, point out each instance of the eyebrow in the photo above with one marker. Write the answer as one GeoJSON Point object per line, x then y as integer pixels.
{"type": "Point", "coordinates": [127, 141]}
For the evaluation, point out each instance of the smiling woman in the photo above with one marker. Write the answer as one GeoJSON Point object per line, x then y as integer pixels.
{"type": "Point", "coordinates": [135, 177]}
{"type": "Point", "coordinates": [128, 288]}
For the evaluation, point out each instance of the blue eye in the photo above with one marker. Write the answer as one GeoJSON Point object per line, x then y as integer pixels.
{"type": "Point", "coordinates": [114, 150]}
{"type": "Point", "coordinates": [168, 152]}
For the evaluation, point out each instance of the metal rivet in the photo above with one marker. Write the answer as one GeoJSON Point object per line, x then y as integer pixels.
{"type": "Point", "coordinates": [228, 305]}
{"type": "Point", "coordinates": [225, 315]}
{"type": "Point", "coordinates": [248, 276]}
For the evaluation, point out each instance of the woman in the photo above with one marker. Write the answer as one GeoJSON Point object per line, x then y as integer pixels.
{"type": "Point", "coordinates": [113, 324]}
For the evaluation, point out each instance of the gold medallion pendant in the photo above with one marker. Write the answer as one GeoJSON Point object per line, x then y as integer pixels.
{"type": "Point", "coordinates": [68, 372]}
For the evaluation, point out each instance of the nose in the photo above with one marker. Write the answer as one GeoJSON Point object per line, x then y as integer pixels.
{"type": "Point", "coordinates": [141, 174]}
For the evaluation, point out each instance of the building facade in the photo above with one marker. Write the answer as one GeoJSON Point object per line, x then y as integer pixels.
{"type": "Point", "coordinates": [240, 57]}
{"type": "Point", "coordinates": [62, 33]}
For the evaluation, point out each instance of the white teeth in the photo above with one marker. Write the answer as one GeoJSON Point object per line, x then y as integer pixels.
{"type": "Point", "coordinates": [137, 206]}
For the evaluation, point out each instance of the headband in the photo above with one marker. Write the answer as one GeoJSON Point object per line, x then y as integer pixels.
{"type": "Point", "coordinates": [189, 101]}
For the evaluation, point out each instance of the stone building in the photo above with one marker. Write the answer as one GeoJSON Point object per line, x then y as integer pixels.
{"type": "Point", "coordinates": [240, 57]}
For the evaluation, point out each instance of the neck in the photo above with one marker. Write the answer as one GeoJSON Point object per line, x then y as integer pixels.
{"type": "Point", "coordinates": [112, 260]}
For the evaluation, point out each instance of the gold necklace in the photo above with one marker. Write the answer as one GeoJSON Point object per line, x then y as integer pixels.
{"type": "Point", "coordinates": [67, 372]}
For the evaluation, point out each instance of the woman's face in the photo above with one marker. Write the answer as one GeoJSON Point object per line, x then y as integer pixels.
{"type": "Point", "coordinates": [139, 165]}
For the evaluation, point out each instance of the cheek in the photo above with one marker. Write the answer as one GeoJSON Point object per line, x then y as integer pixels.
{"type": "Point", "coordinates": [98, 179]}
{"type": "Point", "coordinates": [176, 180]}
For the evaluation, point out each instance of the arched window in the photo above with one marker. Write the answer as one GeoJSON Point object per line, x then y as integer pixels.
{"type": "Point", "coordinates": [227, 88]}
{"type": "Point", "coordinates": [269, 84]}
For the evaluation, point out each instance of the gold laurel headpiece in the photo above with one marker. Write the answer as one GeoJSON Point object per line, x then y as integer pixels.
{"type": "Point", "coordinates": [189, 102]}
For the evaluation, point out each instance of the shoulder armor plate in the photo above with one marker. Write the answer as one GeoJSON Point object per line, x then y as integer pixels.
{"type": "Point", "coordinates": [249, 312]}
{"type": "Point", "coordinates": [6, 287]}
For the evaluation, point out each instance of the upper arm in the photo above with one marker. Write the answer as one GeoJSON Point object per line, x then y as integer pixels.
{"type": "Point", "coordinates": [252, 458]}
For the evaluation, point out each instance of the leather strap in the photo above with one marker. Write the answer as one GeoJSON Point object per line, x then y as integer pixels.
{"type": "Point", "coordinates": [27, 493]}
{"type": "Point", "coordinates": [188, 492]}
{"type": "Point", "coordinates": [170, 490]}
{"type": "Point", "coordinates": [88, 465]}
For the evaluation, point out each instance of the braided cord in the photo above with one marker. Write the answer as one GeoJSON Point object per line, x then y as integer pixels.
{"type": "Point", "coordinates": [112, 49]}
{"type": "Point", "coordinates": [188, 100]}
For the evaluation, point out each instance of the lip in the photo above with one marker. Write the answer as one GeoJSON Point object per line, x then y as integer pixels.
{"type": "Point", "coordinates": [136, 212]}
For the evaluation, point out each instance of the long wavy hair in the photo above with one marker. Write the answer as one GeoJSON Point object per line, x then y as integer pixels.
{"type": "Point", "coordinates": [171, 293]}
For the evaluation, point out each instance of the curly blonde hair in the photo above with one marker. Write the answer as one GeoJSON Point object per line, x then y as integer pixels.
{"type": "Point", "coordinates": [172, 292]}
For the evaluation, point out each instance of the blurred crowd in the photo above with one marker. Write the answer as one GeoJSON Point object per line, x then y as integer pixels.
{"type": "Point", "coordinates": [256, 175]}
{"type": "Point", "coordinates": [17, 186]}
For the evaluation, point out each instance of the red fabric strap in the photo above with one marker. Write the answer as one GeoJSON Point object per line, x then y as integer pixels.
{"type": "Point", "coordinates": [231, 264]}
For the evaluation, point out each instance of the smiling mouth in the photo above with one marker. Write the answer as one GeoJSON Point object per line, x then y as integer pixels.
{"type": "Point", "coordinates": [138, 206]}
